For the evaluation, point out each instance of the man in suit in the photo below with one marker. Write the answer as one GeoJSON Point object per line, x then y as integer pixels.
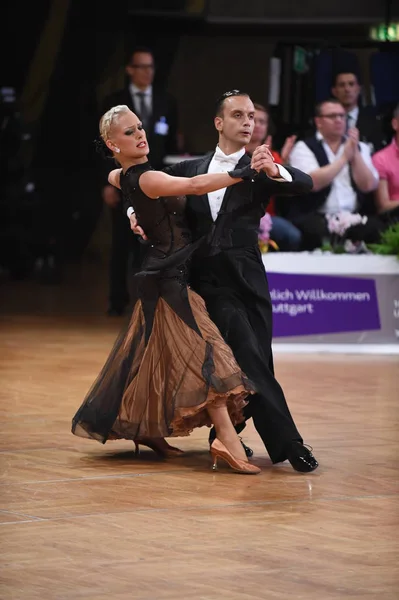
{"type": "Point", "coordinates": [233, 281]}
{"type": "Point", "coordinates": [158, 112]}
{"type": "Point", "coordinates": [346, 89]}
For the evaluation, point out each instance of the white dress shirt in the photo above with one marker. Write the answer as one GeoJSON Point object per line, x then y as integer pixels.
{"type": "Point", "coordinates": [134, 90]}
{"type": "Point", "coordinates": [342, 196]}
{"type": "Point", "coordinates": [222, 163]}
{"type": "Point", "coordinates": [352, 117]}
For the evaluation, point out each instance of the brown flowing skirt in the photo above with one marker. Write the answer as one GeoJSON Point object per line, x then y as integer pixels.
{"type": "Point", "coordinates": [159, 384]}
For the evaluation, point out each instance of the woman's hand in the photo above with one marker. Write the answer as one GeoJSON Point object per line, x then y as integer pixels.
{"type": "Point", "coordinates": [135, 227]}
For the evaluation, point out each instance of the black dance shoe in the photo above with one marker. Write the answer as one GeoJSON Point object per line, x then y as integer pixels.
{"type": "Point", "coordinates": [301, 458]}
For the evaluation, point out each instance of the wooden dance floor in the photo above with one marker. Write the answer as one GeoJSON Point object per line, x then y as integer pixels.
{"type": "Point", "coordinates": [82, 521]}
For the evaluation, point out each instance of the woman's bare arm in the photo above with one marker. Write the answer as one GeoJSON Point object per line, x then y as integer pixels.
{"type": "Point", "coordinates": [383, 200]}
{"type": "Point", "coordinates": [157, 183]}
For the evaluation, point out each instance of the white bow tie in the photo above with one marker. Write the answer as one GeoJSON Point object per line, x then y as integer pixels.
{"type": "Point", "coordinates": [224, 159]}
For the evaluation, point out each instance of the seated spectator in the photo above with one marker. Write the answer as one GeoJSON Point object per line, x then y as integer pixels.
{"type": "Point", "coordinates": [386, 162]}
{"type": "Point", "coordinates": [342, 173]}
{"type": "Point", "coordinates": [285, 234]}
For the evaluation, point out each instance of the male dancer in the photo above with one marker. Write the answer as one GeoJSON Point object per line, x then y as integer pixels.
{"type": "Point", "coordinates": [233, 281]}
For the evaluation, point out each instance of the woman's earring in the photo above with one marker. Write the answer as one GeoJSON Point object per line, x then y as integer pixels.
{"type": "Point", "coordinates": [117, 150]}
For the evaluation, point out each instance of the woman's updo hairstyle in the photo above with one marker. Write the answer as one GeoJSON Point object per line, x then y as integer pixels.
{"type": "Point", "coordinates": [108, 119]}
{"type": "Point", "coordinates": [106, 123]}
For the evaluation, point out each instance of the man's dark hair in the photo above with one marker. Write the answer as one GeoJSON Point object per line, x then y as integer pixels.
{"type": "Point", "coordinates": [220, 101]}
{"type": "Point", "coordinates": [347, 71]}
{"type": "Point", "coordinates": [319, 106]}
{"type": "Point", "coordinates": [396, 111]}
{"type": "Point", "coordinates": [137, 49]}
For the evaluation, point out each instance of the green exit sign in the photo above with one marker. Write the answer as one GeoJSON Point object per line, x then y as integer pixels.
{"type": "Point", "coordinates": [300, 63]}
{"type": "Point", "coordinates": [385, 33]}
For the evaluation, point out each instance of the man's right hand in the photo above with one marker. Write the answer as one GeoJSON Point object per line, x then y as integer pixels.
{"type": "Point", "coordinates": [135, 227]}
{"type": "Point", "coordinates": [287, 148]}
{"type": "Point", "coordinates": [111, 196]}
{"type": "Point", "coordinates": [351, 144]}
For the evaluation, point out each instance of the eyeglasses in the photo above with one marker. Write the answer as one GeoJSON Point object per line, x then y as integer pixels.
{"type": "Point", "coordinates": [143, 67]}
{"type": "Point", "coordinates": [334, 116]}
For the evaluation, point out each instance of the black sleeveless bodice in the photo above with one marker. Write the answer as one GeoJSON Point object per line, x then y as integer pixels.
{"type": "Point", "coordinates": [163, 221]}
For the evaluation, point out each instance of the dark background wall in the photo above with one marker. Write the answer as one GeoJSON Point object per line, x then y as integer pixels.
{"type": "Point", "coordinates": [202, 47]}
{"type": "Point", "coordinates": [306, 11]}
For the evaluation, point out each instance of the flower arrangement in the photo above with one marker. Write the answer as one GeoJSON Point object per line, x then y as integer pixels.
{"type": "Point", "coordinates": [337, 225]}
{"type": "Point", "coordinates": [340, 222]}
{"type": "Point", "coordinates": [265, 228]}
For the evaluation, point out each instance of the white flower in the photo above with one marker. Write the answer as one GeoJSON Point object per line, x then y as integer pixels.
{"type": "Point", "coordinates": [338, 223]}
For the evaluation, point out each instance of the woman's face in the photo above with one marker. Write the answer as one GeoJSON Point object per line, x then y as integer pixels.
{"type": "Point", "coordinates": [128, 136]}
{"type": "Point", "coordinates": [261, 125]}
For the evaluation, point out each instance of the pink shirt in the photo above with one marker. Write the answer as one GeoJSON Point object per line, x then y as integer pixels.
{"type": "Point", "coordinates": [386, 161]}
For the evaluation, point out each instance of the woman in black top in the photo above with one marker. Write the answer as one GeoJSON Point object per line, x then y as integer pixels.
{"type": "Point", "coordinates": [170, 370]}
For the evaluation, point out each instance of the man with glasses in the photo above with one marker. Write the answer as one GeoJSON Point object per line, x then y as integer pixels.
{"type": "Point", "coordinates": [158, 111]}
{"type": "Point", "coordinates": [156, 108]}
{"type": "Point", "coordinates": [342, 172]}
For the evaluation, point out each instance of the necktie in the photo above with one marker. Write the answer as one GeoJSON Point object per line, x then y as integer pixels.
{"type": "Point", "coordinates": [143, 110]}
{"type": "Point", "coordinates": [348, 122]}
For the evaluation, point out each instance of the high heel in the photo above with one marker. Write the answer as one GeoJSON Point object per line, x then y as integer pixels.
{"type": "Point", "coordinates": [159, 445]}
{"type": "Point", "coordinates": [219, 450]}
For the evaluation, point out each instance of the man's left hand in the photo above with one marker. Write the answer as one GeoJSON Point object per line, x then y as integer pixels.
{"type": "Point", "coordinates": [353, 135]}
{"type": "Point", "coordinates": [262, 160]}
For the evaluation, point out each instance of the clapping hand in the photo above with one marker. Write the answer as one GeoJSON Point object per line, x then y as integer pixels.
{"type": "Point", "coordinates": [287, 148]}
{"type": "Point", "coordinates": [352, 144]}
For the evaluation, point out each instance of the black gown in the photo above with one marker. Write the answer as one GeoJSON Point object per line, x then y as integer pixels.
{"type": "Point", "coordinates": [170, 362]}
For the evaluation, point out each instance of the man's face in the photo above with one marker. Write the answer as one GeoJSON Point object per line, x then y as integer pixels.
{"type": "Point", "coordinates": [332, 120]}
{"type": "Point", "coordinates": [346, 89]}
{"type": "Point", "coordinates": [141, 69]}
{"type": "Point", "coordinates": [261, 120]}
{"type": "Point", "coordinates": [237, 121]}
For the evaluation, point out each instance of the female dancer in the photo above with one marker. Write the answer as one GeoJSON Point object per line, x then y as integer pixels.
{"type": "Point", "coordinates": [170, 371]}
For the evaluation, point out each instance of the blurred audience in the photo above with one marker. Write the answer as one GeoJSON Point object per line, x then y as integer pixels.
{"type": "Point", "coordinates": [342, 172]}
{"type": "Point", "coordinates": [353, 170]}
